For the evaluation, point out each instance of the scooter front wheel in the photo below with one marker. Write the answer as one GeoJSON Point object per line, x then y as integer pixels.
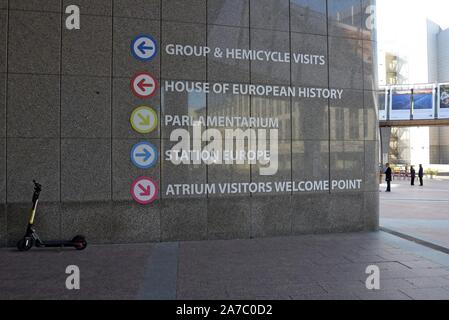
{"type": "Point", "coordinates": [79, 242]}
{"type": "Point", "coordinates": [25, 244]}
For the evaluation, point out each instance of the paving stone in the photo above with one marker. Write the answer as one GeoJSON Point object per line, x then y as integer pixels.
{"type": "Point", "coordinates": [428, 282]}
{"type": "Point", "coordinates": [382, 295]}
{"type": "Point", "coordinates": [423, 264]}
{"type": "Point", "coordinates": [427, 293]}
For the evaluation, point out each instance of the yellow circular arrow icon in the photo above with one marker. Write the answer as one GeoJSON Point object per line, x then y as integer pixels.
{"type": "Point", "coordinates": [144, 119]}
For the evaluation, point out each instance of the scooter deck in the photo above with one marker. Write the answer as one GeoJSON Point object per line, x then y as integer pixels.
{"type": "Point", "coordinates": [55, 244]}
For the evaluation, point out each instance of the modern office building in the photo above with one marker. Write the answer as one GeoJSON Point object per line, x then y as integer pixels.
{"type": "Point", "coordinates": [142, 125]}
{"type": "Point", "coordinates": [418, 56]}
{"type": "Point", "coordinates": [439, 137]}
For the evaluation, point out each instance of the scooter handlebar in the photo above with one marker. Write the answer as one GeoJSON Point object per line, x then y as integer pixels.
{"type": "Point", "coordinates": [37, 186]}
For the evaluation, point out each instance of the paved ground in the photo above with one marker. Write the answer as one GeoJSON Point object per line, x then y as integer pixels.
{"type": "Point", "coordinates": [304, 267]}
{"type": "Point", "coordinates": [422, 212]}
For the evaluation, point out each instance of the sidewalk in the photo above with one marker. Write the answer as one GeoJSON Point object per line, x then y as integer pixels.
{"type": "Point", "coordinates": [303, 267]}
{"type": "Point", "coordinates": [421, 212]}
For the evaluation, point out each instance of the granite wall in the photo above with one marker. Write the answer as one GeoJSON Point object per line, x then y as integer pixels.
{"type": "Point", "coordinates": [65, 106]}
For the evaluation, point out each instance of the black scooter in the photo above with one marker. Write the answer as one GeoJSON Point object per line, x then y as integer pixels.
{"type": "Point", "coordinates": [32, 239]}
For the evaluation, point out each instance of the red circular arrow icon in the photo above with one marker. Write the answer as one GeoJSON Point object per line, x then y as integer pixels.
{"type": "Point", "coordinates": [144, 190]}
{"type": "Point", "coordinates": [144, 85]}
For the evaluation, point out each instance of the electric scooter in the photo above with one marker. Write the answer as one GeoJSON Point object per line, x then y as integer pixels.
{"type": "Point", "coordinates": [31, 238]}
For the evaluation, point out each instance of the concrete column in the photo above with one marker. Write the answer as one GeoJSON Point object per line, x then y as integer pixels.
{"type": "Point", "coordinates": [385, 135]}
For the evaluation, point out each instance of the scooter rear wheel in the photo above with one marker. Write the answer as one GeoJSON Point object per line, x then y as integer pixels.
{"type": "Point", "coordinates": [25, 244]}
{"type": "Point", "coordinates": [79, 242]}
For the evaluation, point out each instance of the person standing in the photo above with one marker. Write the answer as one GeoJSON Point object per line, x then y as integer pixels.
{"type": "Point", "coordinates": [388, 177]}
{"type": "Point", "coordinates": [421, 175]}
{"type": "Point", "coordinates": [412, 175]}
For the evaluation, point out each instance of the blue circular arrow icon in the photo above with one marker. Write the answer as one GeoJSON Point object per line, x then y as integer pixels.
{"type": "Point", "coordinates": [144, 47]}
{"type": "Point", "coordinates": [144, 155]}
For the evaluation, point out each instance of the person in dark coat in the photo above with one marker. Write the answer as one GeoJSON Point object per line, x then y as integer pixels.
{"type": "Point", "coordinates": [388, 177]}
{"type": "Point", "coordinates": [412, 174]}
{"type": "Point", "coordinates": [421, 175]}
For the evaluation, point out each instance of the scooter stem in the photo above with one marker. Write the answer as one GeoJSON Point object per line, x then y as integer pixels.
{"type": "Point", "coordinates": [33, 213]}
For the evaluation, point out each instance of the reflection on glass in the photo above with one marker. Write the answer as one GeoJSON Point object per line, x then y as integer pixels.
{"type": "Point", "coordinates": [183, 103]}
{"type": "Point", "coordinates": [308, 15]}
{"type": "Point", "coordinates": [270, 72]}
{"type": "Point", "coordinates": [347, 15]}
{"type": "Point", "coordinates": [444, 97]}
{"type": "Point", "coordinates": [347, 123]}
{"type": "Point", "coordinates": [347, 156]}
{"type": "Point", "coordinates": [422, 99]}
{"type": "Point", "coordinates": [229, 12]}
{"type": "Point", "coordinates": [309, 7]}
{"type": "Point", "coordinates": [401, 100]}
{"type": "Point", "coordinates": [369, 19]}
{"type": "Point", "coordinates": [275, 108]}
{"type": "Point", "coordinates": [284, 159]}
{"type": "Point", "coordinates": [284, 165]}
{"type": "Point", "coordinates": [228, 105]}
{"type": "Point", "coordinates": [196, 102]}
{"type": "Point", "coordinates": [382, 101]}
{"type": "Point", "coordinates": [309, 119]}
{"type": "Point", "coordinates": [310, 160]}
{"type": "Point", "coordinates": [228, 69]}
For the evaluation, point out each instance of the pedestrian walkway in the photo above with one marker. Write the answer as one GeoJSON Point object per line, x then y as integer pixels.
{"type": "Point", "coordinates": [303, 267]}
{"type": "Point", "coordinates": [420, 212]}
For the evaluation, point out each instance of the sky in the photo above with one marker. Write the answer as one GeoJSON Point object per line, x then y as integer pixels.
{"type": "Point", "coordinates": [402, 22]}
{"type": "Point", "coordinates": [394, 10]}
{"type": "Point", "coordinates": [402, 29]}
{"type": "Point", "coordinates": [436, 10]}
